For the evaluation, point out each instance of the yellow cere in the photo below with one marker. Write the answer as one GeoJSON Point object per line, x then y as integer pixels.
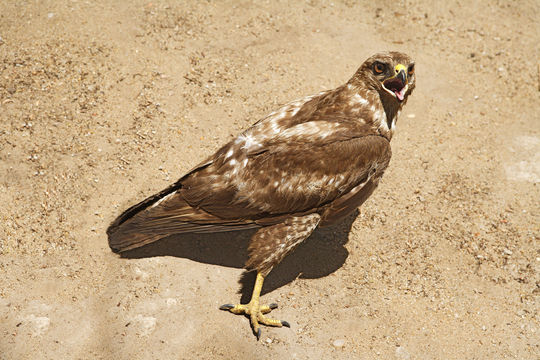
{"type": "Point", "coordinates": [400, 67]}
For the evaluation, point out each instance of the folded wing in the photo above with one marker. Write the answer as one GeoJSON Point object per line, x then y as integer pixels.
{"type": "Point", "coordinates": [244, 187]}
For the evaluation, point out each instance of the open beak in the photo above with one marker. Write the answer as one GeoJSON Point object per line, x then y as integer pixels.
{"type": "Point", "coordinates": [398, 84]}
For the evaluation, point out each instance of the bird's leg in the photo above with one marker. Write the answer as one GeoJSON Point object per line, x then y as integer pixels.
{"type": "Point", "coordinates": [268, 246]}
{"type": "Point", "coordinates": [255, 311]}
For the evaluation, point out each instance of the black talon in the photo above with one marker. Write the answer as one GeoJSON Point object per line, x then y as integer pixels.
{"type": "Point", "coordinates": [258, 334]}
{"type": "Point", "coordinates": [285, 323]}
{"type": "Point", "coordinates": [273, 306]}
{"type": "Point", "coordinates": [226, 307]}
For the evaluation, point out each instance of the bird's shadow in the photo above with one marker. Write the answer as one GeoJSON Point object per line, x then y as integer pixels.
{"type": "Point", "coordinates": [320, 255]}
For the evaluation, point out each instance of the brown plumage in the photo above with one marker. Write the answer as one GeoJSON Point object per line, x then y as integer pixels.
{"type": "Point", "coordinates": [308, 164]}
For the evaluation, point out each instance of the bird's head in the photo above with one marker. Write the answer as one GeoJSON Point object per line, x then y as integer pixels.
{"type": "Point", "coordinates": [389, 73]}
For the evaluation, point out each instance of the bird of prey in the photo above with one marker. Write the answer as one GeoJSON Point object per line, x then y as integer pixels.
{"type": "Point", "coordinates": [308, 164]}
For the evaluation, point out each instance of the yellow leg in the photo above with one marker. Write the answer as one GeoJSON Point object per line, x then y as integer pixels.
{"type": "Point", "coordinates": [255, 311]}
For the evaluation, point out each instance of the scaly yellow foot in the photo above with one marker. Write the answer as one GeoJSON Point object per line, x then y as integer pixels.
{"type": "Point", "coordinates": [255, 311]}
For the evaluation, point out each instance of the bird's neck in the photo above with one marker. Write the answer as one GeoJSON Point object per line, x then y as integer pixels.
{"type": "Point", "coordinates": [381, 112]}
{"type": "Point", "coordinates": [392, 110]}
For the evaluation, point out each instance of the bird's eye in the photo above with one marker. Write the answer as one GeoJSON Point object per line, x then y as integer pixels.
{"type": "Point", "coordinates": [379, 68]}
{"type": "Point", "coordinates": [410, 70]}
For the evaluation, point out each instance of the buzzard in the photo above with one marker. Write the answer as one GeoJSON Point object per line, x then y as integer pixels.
{"type": "Point", "coordinates": [308, 164]}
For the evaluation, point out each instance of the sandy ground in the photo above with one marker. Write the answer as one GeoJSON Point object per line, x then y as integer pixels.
{"type": "Point", "coordinates": [104, 103]}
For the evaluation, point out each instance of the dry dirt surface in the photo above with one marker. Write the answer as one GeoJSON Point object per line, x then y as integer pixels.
{"type": "Point", "coordinates": [103, 103]}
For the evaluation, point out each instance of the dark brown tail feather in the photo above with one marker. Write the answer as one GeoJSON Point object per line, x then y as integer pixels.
{"type": "Point", "coordinates": [116, 232]}
{"type": "Point", "coordinates": [142, 224]}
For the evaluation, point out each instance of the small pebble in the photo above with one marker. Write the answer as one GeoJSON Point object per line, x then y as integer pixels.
{"type": "Point", "coordinates": [268, 340]}
{"type": "Point", "coordinates": [411, 116]}
{"type": "Point", "coordinates": [338, 343]}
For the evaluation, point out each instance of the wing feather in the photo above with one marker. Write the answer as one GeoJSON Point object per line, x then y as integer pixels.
{"type": "Point", "coordinates": [287, 177]}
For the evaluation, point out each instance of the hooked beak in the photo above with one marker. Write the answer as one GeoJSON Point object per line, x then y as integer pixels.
{"type": "Point", "coordinates": [398, 84]}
